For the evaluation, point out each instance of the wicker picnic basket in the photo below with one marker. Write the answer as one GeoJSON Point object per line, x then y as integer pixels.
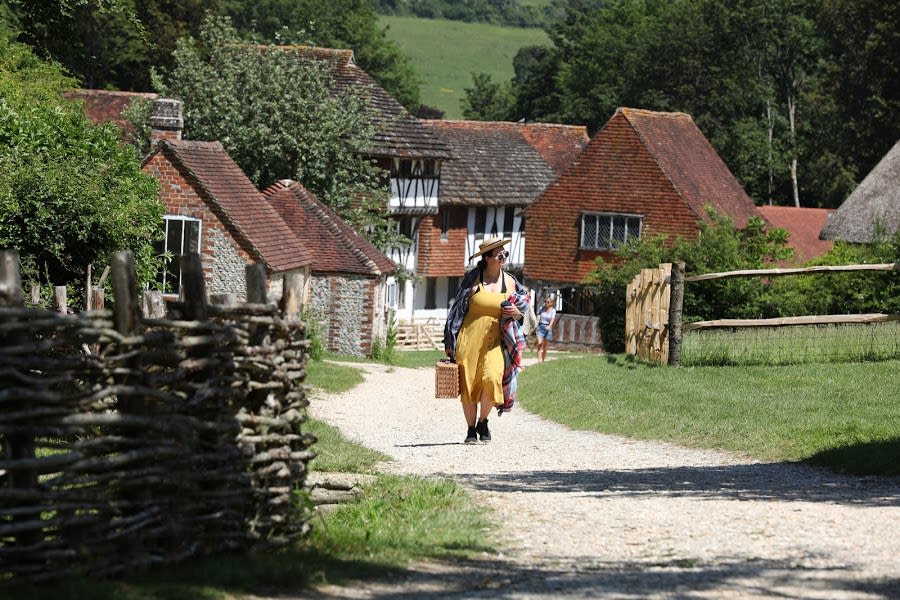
{"type": "Point", "coordinates": [446, 379]}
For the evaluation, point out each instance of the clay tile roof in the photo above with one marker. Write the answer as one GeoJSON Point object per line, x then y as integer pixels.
{"type": "Point", "coordinates": [102, 106]}
{"type": "Point", "coordinates": [338, 247]}
{"type": "Point", "coordinates": [399, 134]}
{"type": "Point", "coordinates": [237, 202]}
{"type": "Point", "coordinates": [559, 145]}
{"type": "Point", "coordinates": [502, 163]}
{"type": "Point", "coordinates": [690, 163]}
{"type": "Point", "coordinates": [803, 226]}
{"type": "Point", "coordinates": [876, 199]}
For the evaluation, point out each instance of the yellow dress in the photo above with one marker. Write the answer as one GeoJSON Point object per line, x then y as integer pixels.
{"type": "Point", "coordinates": [478, 351]}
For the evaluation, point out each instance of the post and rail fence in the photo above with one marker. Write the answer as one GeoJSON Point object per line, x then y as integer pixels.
{"type": "Point", "coordinates": [129, 441]}
{"type": "Point", "coordinates": [654, 327]}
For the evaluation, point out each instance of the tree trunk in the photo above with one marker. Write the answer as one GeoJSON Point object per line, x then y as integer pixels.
{"type": "Point", "coordinates": [792, 109]}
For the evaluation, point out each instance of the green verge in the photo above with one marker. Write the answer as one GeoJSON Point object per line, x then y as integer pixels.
{"type": "Point", "coordinates": [839, 415]}
{"type": "Point", "coordinates": [408, 359]}
{"type": "Point", "coordinates": [336, 454]}
{"type": "Point", "coordinates": [446, 53]}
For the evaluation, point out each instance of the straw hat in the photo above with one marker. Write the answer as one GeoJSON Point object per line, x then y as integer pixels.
{"type": "Point", "coordinates": [488, 245]}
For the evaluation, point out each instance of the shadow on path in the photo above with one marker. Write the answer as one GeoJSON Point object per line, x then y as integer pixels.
{"type": "Point", "coordinates": [677, 578]}
{"type": "Point", "coordinates": [773, 481]}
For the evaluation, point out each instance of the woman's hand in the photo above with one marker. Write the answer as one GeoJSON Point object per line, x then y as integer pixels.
{"type": "Point", "coordinates": [512, 312]}
{"type": "Point", "coordinates": [448, 352]}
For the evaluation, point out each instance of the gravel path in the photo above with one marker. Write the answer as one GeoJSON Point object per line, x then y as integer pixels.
{"type": "Point", "coordinates": [590, 515]}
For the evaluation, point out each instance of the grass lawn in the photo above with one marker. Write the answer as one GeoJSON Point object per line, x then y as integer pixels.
{"type": "Point", "coordinates": [841, 415]}
{"type": "Point", "coordinates": [446, 53]}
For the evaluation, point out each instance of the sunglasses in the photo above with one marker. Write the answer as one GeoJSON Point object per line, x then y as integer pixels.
{"type": "Point", "coordinates": [500, 255]}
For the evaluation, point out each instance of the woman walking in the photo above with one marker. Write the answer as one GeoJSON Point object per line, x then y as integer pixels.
{"type": "Point", "coordinates": [546, 319]}
{"type": "Point", "coordinates": [484, 336]}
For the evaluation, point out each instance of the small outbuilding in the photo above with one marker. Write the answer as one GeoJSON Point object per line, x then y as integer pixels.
{"type": "Point", "coordinates": [348, 284]}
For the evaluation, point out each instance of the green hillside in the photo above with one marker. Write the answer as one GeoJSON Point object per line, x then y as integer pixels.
{"type": "Point", "coordinates": [446, 53]}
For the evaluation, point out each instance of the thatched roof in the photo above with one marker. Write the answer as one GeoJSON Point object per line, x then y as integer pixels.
{"type": "Point", "coordinates": [876, 199]}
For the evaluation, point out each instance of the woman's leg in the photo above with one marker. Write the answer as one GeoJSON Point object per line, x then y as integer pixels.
{"type": "Point", "coordinates": [481, 428]}
{"type": "Point", "coordinates": [487, 403]}
{"type": "Point", "coordinates": [470, 410]}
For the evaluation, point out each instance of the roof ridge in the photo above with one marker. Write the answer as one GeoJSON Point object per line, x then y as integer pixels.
{"type": "Point", "coordinates": [647, 112]}
{"type": "Point", "coordinates": [346, 55]}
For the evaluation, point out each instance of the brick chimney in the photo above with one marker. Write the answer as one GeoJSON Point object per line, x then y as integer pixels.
{"type": "Point", "coordinates": [165, 121]}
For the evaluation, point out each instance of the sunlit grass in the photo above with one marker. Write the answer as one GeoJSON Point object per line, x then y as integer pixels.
{"type": "Point", "coordinates": [793, 345]}
{"type": "Point", "coordinates": [800, 412]}
{"type": "Point", "coordinates": [446, 68]}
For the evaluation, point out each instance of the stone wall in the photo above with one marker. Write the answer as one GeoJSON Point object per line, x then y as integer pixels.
{"type": "Point", "coordinates": [350, 310]}
{"type": "Point", "coordinates": [228, 266]}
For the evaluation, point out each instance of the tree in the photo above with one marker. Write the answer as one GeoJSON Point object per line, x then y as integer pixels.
{"type": "Point", "coordinates": [486, 100]}
{"type": "Point", "coordinates": [349, 24]}
{"type": "Point", "coordinates": [280, 117]}
{"type": "Point", "coordinates": [108, 43]}
{"type": "Point", "coordinates": [534, 84]}
{"type": "Point", "coordinates": [857, 102]}
{"type": "Point", "coordinates": [114, 43]}
{"type": "Point", "coordinates": [70, 193]}
{"type": "Point", "coordinates": [740, 69]}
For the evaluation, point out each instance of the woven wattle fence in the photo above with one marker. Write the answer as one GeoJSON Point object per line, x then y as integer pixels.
{"type": "Point", "coordinates": [130, 441]}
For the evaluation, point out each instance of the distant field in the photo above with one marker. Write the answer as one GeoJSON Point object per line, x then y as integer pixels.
{"type": "Point", "coordinates": [446, 53]}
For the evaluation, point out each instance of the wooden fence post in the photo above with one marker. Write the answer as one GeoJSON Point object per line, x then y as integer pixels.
{"type": "Point", "coordinates": [88, 289]}
{"type": "Point", "coordinates": [10, 279]}
{"type": "Point", "coordinates": [292, 295]}
{"type": "Point", "coordinates": [256, 294]}
{"type": "Point", "coordinates": [676, 305]}
{"type": "Point", "coordinates": [98, 301]}
{"type": "Point", "coordinates": [256, 283]}
{"type": "Point", "coordinates": [59, 299]}
{"type": "Point", "coordinates": [127, 311]}
{"type": "Point", "coordinates": [152, 305]}
{"type": "Point", "coordinates": [193, 287]}
{"type": "Point", "coordinates": [17, 446]}
{"type": "Point", "coordinates": [630, 346]}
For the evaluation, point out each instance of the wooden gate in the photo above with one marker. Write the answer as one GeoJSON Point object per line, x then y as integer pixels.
{"type": "Point", "coordinates": [647, 314]}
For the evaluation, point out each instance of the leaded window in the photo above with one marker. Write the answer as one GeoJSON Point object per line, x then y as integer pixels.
{"type": "Point", "coordinates": [603, 232]}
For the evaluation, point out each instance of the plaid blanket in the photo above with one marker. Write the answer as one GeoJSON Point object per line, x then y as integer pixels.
{"type": "Point", "coordinates": [512, 340]}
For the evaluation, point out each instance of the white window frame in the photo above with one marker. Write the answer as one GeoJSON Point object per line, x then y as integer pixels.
{"type": "Point", "coordinates": [392, 294]}
{"type": "Point", "coordinates": [609, 220]}
{"type": "Point", "coordinates": [165, 244]}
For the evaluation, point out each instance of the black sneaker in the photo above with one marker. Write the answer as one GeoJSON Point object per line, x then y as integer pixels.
{"type": "Point", "coordinates": [471, 436]}
{"type": "Point", "coordinates": [483, 432]}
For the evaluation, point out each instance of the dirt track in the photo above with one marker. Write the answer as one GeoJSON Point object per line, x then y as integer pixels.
{"type": "Point", "coordinates": [590, 515]}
